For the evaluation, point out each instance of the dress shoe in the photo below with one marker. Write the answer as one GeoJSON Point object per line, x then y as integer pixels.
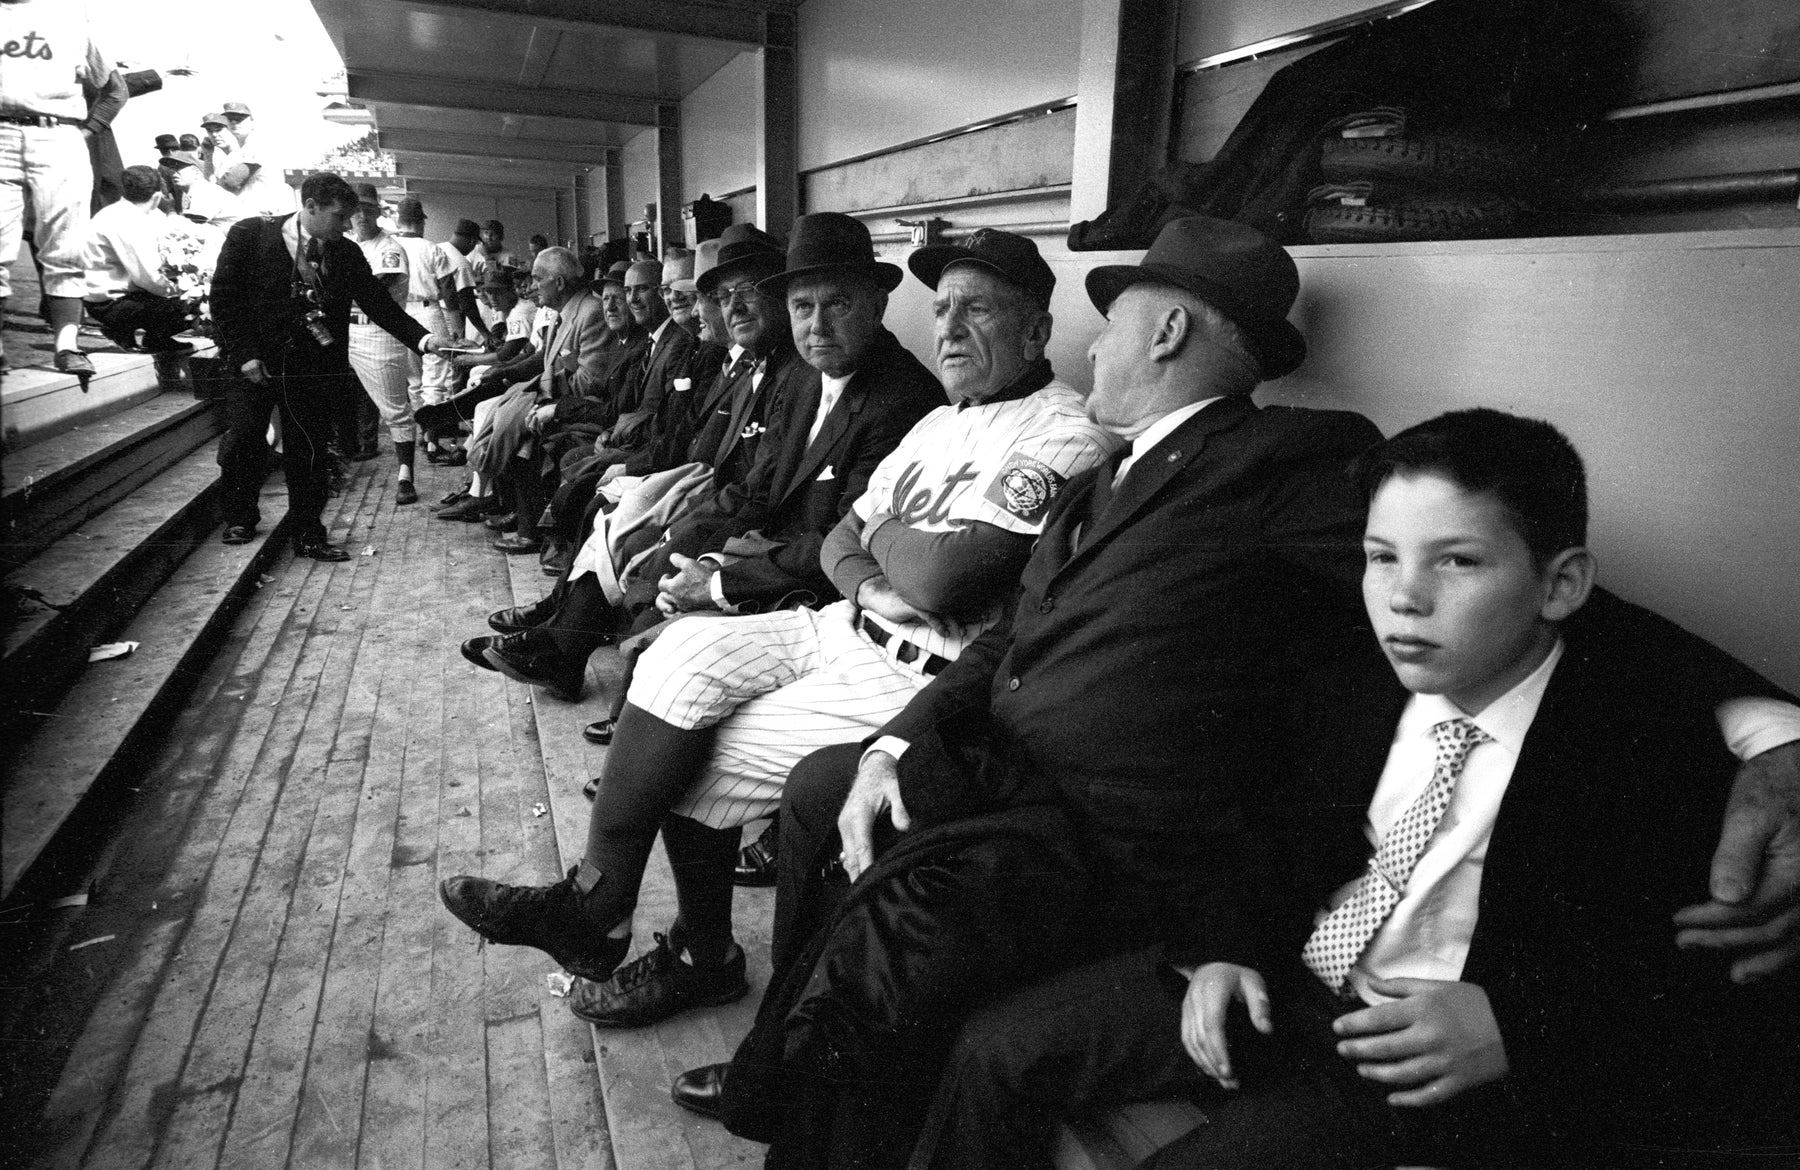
{"type": "Point", "coordinates": [512, 544]}
{"type": "Point", "coordinates": [600, 731]}
{"type": "Point", "coordinates": [239, 534]}
{"type": "Point", "coordinates": [405, 493]}
{"type": "Point", "coordinates": [522, 642]}
{"type": "Point", "coordinates": [656, 986]}
{"type": "Point", "coordinates": [549, 918]}
{"type": "Point", "coordinates": [701, 1090]}
{"type": "Point", "coordinates": [455, 497]}
{"type": "Point", "coordinates": [320, 550]}
{"type": "Point", "coordinates": [502, 522]}
{"type": "Point", "coordinates": [73, 361]}
{"type": "Point", "coordinates": [756, 861]}
{"type": "Point", "coordinates": [555, 561]}
{"type": "Point", "coordinates": [470, 510]}
{"type": "Point", "coordinates": [523, 617]}
{"type": "Point", "coordinates": [563, 675]}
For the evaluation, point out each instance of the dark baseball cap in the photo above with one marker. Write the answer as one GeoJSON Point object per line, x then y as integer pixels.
{"type": "Point", "coordinates": [411, 210]}
{"type": "Point", "coordinates": [1012, 257]}
{"type": "Point", "coordinates": [467, 227]}
{"type": "Point", "coordinates": [236, 108]}
{"type": "Point", "coordinates": [213, 120]}
{"type": "Point", "coordinates": [366, 193]}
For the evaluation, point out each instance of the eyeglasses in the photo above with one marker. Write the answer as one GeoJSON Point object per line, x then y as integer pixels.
{"type": "Point", "coordinates": [745, 292]}
{"type": "Point", "coordinates": [677, 299]}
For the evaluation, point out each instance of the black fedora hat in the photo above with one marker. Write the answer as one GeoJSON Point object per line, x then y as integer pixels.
{"type": "Point", "coordinates": [830, 241]}
{"type": "Point", "coordinates": [1232, 267]}
{"type": "Point", "coordinates": [743, 245]}
{"type": "Point", "coordinates": [1013, 257]}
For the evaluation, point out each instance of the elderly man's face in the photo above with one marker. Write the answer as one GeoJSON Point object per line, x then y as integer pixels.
{"type": "Point", "coordinates": [645, 303]}
{"type": "Point", "coordinates": [1121, 359]}
{"type": "Point", "coordinates": [612, 307]}
{"type": "Point", "coordinates": [551, 290]}
{"type": "Point", "coordinates": [835, 320]}
{"type": "Point", "coordinates": [984, 332]}
{"type": "Point", "coordinates": [748, 314]}
{"type": "Point", "coordinates": [712, 321]}
{"type": "Point", "coordinates": [684, 310]}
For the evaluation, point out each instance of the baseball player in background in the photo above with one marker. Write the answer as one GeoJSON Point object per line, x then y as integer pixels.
{"type": "Point", "coordinates": [382, 363]}
{"type": "Point", "coordinates": [428, 378]}
{"type": "Point", "coordinates": [721, 708]}
{"type": "Point", "coordinates": [48, 52]}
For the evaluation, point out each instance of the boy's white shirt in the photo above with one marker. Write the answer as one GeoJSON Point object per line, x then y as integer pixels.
{"type": "Point", "coordinates": [1427, 936]}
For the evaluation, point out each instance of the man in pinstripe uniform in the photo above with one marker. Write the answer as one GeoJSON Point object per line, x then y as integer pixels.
{"type": "Point", "coordinates": [382, 364]}
{"type": "Point", "coordinates": [722, 707]}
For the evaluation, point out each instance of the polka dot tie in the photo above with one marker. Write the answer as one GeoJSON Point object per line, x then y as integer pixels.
{"type": "Point", "coordinates": [1338, 942]}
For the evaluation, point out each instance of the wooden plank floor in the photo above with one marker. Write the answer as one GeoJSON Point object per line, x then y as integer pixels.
{"type": "Point", "coordinates": [278, 984]}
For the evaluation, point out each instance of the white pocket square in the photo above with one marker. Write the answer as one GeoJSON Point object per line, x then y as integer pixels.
{"type": "Point", "coordinates": [827, 474]}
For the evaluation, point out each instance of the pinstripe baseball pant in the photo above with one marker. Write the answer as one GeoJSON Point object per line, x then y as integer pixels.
{"type": "Point", "coordinates": [778, 686]}
{"type": "Point", "coordinates": [429, 375]}
{"type": "Point", "coordinates": [383, 366]}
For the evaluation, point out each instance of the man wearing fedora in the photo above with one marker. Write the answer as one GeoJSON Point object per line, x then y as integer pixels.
{"type": "Point", "coordinates": [1076, 766]}
{"type": "Point", "coordinates": [745, 550]}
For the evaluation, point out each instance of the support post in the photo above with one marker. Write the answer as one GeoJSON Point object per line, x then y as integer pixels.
{"type": "Point", "coordinates": [669, 182]}
{"type": "Point", "coordinates": [1126, 101]}
{"type": "Point", "coordinates": [616, 216]}
{"type": "Point", "coordinates": [777, 135]}
{"type": "Point", "coordinates": [579, 200]}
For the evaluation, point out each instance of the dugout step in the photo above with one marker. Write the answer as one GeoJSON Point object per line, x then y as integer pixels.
{"type": "Point", "coordinates": [149, 569]}
{"type": "Point", "coordinates": [55, 486]}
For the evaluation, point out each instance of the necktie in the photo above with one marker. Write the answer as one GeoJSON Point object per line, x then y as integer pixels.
{"type": "Point", "coordinates": [738, 368]}
{"type": "Point", "coordinates": [1338, 942]}
{"type": "Point", "coordinates": [1102, 495]}
{"type": "Point", "coordinates": [314, 253]}
{"type": "Point", "coordinates": [828, 396]}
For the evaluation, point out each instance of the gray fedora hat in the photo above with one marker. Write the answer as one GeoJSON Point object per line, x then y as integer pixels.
{"type": "Point", "coordinates": [742, 245]}
{"type": "Point", "coordinates": [1232, 267]}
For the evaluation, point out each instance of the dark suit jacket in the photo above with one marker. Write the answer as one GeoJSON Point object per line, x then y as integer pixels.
{"type": "Point", "coordinates": [258, 317]}
{"type": "Point", "coordinates": [683, 411]}
{"type": "Point", "coordinates": [1140, 681]}
{"type": "Point", "coordinates": [1607, 828]}
{"type": "Point", "coordinates": [797, 492]}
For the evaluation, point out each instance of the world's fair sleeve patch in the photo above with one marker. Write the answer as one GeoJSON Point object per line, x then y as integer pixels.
{"type": "Point", "coordinates": [1025, 487]}
{"type": "Point", "coordinates": [390, 260]}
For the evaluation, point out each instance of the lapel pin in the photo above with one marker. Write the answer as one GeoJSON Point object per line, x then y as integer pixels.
{"type": "Point", "coordinates": [1174, 455]}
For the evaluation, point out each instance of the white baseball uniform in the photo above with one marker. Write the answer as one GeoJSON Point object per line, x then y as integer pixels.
{"type": "Point", "coordinates": [780, 685]}
{"type": "Point", "coordinates": [382, 363]}
{"type": "Point", "coordinates": [48, 51]}
{"type": "Point", "coordinates": [428, 378]}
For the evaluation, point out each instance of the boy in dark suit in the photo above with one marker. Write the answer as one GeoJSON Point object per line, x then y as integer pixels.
{"type": "Point", "coordinates": [1468, 958]}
